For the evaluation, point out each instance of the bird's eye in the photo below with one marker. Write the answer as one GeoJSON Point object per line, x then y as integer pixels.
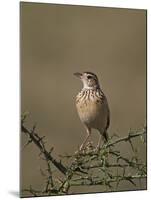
{"type": "Point", "coordinates": [89, 77]}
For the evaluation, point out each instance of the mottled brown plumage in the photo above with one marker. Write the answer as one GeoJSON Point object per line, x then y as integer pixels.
{"type": "Point", "coordinates": [92, 106]}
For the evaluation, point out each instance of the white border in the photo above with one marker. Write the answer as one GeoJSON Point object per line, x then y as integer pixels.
{"type": "Point", "coordinates": [9, 98]}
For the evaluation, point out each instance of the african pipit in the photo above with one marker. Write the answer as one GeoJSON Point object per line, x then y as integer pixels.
{"type": "Point", "coordinates": [92, 106]}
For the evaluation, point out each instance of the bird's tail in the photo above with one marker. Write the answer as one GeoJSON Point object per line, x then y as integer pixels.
{"type": "Point", "coordinates": [106, 137]}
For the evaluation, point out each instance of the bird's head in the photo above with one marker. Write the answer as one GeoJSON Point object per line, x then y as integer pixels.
{"type": "Point", "coordinates": [89, 79]}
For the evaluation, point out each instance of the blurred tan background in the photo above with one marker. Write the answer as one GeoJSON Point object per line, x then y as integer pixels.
{"type": "Point", "coordinates": [57, 41]}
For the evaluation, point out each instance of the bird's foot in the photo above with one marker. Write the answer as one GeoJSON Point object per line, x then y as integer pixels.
{"type": "Point", "coordinates": [80, 149]}
{"type": "Point", "coordinates": [85, 148]}
{"type": "Point", "coordinates": [89, 147]}
{"type": "Point", "coordinates": [97, 149]}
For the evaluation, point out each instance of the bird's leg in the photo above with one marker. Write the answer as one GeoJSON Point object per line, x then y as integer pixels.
{"type": "Point", "coordinates": [99, 143]}
{"type": "Point", "coordinates": [86, 139]}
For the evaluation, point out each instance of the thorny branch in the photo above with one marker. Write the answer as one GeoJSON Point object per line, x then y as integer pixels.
{"type": "Point", "coordinates": [38, 141]}
{"type": "Point", "coordinates": [106, 167]}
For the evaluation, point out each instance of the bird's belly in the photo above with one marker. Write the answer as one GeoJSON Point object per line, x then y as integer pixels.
{"type": "Point", "coordinates": [92, 113]}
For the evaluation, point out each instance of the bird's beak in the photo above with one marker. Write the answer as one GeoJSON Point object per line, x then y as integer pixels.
{"type": "Point", "coordinates": [77, 74]}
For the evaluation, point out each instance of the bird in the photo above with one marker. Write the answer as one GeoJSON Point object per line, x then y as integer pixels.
{"type": "Point", "coordinates": [92, 107]}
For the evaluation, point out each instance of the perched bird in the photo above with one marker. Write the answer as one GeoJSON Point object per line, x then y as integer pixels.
{"type": "Point", "coordinates": [92, 106]}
